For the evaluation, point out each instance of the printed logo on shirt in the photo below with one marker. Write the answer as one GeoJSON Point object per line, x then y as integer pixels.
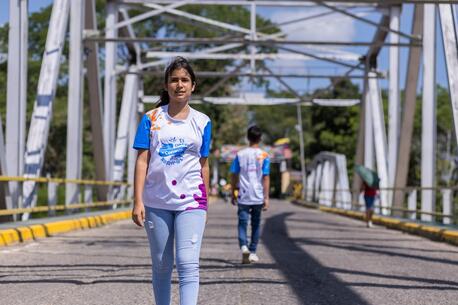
{"type": "Point", "coordinates": [172, 152]}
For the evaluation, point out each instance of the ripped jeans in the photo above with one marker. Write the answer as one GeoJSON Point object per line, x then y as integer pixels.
{"type": "Point", "coordinates": [187, 228]}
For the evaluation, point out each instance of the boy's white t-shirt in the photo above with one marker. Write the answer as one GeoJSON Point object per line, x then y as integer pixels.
{"type": "Point", "coordinates": [174, 179]}
{"type": "Point", "coordinates": [251, 164]}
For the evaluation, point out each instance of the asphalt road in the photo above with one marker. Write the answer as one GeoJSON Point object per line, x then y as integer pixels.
{"type": "Point", "coordinates": [307, 257]}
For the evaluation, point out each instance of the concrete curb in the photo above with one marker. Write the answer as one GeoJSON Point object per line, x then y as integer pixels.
{"type": "Point", "coordinates": [429, 231]}
{"type": "Point", "coordinates": [37, 231]}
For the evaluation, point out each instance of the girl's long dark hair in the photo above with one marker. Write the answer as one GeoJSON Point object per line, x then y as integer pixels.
{"type": "Point", "coordinates": [178, 63]}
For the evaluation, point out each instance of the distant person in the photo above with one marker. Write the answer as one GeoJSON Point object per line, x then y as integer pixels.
{"type": "Point", "coordinates": [370, 194]}
{"type": "Point", "coordinates": [250, 170]}
{"type": "Point", "coordinates": [172, 182]}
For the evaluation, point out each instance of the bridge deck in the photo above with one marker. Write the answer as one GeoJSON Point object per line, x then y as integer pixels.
{"type": "Point", "coordinates": [307, 257]}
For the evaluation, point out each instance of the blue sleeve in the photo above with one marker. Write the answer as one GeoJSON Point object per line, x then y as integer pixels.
{"type": "Point", "coordinates": [266, 167]}
{"type": "Point", "coordinates": [142, 137]}
{"type": "Point", "coordinates": [235, 166]}
{"type": "Point", "coordinates": [206, 139]}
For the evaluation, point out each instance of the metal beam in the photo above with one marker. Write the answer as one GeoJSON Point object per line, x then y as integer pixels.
{"type": "Point", "coordinates": [209, 40]}
{"type": "Point", "coordinates": [109, 111]}
{"type": "Point", "coordinates": [450, 41]}
{"type": "Point", "coordinates": [374, 50]}
{"type": "Point", "coordinates": [394, 96]}
{"type": "Point", "coordinates": [258, 42]}
{"type": "Point", "coordinates": [37, 138]}
{"type": "Point", "coordinates": [413, 70]}
{"type": "Point", "coordinates": [294, 3]}
{"type": "Point", "coordinates": [74, 155]}
{"type": "Point", "coordinates": [300, 55]}
{"type": "Point", "coordinates": [428, 135]}
{"type": "Point", "coordinates": [378, 123]}
{"type": "Point", "coordinates": [368, 127]}
{"type": "Point", "coordinates": [132, 153]}
{"type": "Point", "coordinates": [95, 100]}
{"type": "Point", "coordinates": [129, 102]}
{"type": "Point", "coordinates": [211, 74]}
{"type": "Point", "coordinates": [359, 155]}
{"type": "Point", "coordinates": [16, 94]}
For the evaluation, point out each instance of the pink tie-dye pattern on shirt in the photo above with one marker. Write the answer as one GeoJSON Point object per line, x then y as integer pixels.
{"type": "Point", "coordinates": [202, 200]}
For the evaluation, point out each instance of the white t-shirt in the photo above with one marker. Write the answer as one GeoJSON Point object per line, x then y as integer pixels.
{"type": "Point", "coordinates": [174, 179]}
{"type": "Point", "coordinates": [251, 164]}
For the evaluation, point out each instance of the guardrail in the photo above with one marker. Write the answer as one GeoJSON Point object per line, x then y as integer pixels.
{"type": "Point", "coordinates": [52, 205]}
{"type": "Point", "coordinates": [447, 216]}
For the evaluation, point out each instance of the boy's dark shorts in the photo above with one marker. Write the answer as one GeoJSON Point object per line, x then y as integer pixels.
{"type": "Point", "coordinates": [369, 200]}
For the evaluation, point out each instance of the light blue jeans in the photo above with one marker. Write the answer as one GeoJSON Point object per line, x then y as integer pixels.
{"type": "Point", "coordinates": [187, 228]}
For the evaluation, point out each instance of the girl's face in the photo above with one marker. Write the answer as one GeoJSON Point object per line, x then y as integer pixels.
{"type": "Point", "coordinates": [179, 86]}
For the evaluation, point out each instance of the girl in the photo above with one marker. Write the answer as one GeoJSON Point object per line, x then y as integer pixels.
{"type": "Point", "coordinates": [171, 183]}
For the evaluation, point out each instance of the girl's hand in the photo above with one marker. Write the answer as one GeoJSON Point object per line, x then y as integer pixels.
{"type": "Point", "coordinates": [138, 214]}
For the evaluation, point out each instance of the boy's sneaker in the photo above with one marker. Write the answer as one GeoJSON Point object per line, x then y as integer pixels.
{"type": "Point", "coordinates": [245, 255]}
{"type": "Point", "coordinates": [369, 224]}
{"type": "Point", "coordinates": [253, 258]}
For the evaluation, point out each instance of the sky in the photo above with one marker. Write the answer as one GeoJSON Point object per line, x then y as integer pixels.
{"type": "Point", "coordinates": [335, 27]}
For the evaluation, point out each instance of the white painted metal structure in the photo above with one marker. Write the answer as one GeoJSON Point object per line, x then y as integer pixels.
{"type": "Point", "coordinates": [242, 44]}
{"type": "Point", "coordinates": [42, 112]}
{"type": "Point", "coordinates": [329, 178]}
{"type": "Point", "coordinates": [16, 94]}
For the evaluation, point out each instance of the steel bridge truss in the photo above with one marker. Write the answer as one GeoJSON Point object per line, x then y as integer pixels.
{"type": "Point", "coordinates": [388, 150]}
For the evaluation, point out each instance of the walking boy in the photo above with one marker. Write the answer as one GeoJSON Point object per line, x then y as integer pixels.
{"type": "Point", "coordinates": [250, 170]}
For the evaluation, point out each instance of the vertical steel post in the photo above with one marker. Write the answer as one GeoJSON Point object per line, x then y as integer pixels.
{"type": "Point", "coordinates": [428, 136]}
{"type": "Point", "coordinates": [132, 154]}
{"type": "Point", "coordinates": [109, 114]}
{"type": "Point", "coordinates": [368, 126]}
{"type": "Point", "coordinates": [129, 102]}
{"type": "Point", "coordinates": [52, 197]}
{"type": "Point", "coordinates": [447, 206]}
{"type": "Point", "coordinates": [379, 135]}
{"type": "Point", "coordinates": [253, 36]}
{"type": "Point", "coordinates": [412, 205]}
{"type": "Point", "coordinates": [16, 94]}
{"type": "Point", "coordinates": [95, 99]}
{"type": "Point", "coordinates": [413, 67]}
{"type": "Point", "coordinates": [450, 40]}
{"type": "Point", "coordinates": [75, 102]}
{"type": "Point", "coordinates": [394, 110]}
{"type": "Point", "coordinates": [302, 149]}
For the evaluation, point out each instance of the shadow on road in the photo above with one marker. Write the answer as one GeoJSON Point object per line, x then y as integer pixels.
{"type": "Point", "coordinates": [310, 281]}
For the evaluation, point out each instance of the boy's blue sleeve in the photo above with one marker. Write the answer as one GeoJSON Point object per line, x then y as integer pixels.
{"type": "Point", "coordinates": [206, 139]}
{"type": "Point", "coordinates": [266, 167]}
{"type": "Point", "coordinates": [142, 137]}
{"type": "Point", "coordinates": [235, 166]}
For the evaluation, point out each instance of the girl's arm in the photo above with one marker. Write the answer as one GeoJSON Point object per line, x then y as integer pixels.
{"type": "Point", "coordinates": [205, 174]}
{"type": "Point", "coordinates": [141, 167]}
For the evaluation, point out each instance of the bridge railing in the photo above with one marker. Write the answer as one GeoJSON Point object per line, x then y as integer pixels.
{"type": "Point", "coordinates": [327, 184]}
{"type": "Point", "coordinates": [329, 198]}
{"type": "Point", "coordinates": [55, 201]}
